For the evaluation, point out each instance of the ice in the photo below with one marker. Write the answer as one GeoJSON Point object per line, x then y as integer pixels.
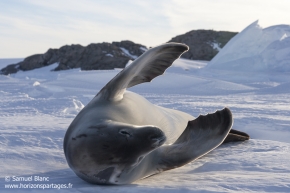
{"type": "Point", "coordinates": [37, 107]}
{"type": "Point", "coordinates": [36, 83]}
{"type": "Point", "coordinates": [256, 49]}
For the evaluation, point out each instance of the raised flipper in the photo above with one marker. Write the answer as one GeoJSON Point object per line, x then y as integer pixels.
{"type": "Point", "coordinates": [148, 66]}
{"type": "Point", "coordinates": [200, 137]}
{"type": "Point", "coordinates": [235, 135]}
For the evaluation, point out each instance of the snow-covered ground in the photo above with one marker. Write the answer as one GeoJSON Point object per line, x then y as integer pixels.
{"type": "Point", "coordinates": [37, 106]}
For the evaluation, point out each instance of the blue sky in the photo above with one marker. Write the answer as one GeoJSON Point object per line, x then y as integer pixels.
{"type": "Point", "coordinates": [33, 26]}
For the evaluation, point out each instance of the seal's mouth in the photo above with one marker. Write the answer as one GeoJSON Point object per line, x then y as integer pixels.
{"type": "Point", "coordinates": [157, 142]}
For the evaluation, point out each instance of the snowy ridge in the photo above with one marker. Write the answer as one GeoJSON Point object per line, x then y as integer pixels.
{"type": "Point", "coordinates": [256, 49]}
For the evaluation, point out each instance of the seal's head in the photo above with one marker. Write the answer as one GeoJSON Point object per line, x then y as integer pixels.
{"type": "Point", "coordinates": [102, 151]}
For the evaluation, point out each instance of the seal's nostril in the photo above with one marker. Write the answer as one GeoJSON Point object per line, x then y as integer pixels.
{"type": "Point", "coordinates": [156, 135]}
{"type": "Point", "coordinates": [153, 137]}
{"type": "Point", "coordinates": [156, 142]}
{"type": "Point", "coordinates": [123, 132]}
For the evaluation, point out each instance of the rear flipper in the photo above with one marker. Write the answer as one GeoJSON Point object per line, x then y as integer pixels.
{"type": "Point", "coordinates": [201, 136]}
{"type": "Point", "coordinates": [235, 135]}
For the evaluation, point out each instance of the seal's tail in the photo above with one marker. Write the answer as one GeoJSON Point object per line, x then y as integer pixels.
{"type": "Point", "coordinates": [235, 135]}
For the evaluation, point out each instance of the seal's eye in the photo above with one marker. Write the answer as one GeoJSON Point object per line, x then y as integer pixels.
{"type": "Point", "coordinates": [125, 133]}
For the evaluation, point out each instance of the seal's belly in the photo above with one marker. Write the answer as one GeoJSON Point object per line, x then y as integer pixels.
{"type": "Point", "coordinates": [136, 110]}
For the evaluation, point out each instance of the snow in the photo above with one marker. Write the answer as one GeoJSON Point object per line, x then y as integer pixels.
{"type": "Point", "coordinates": [37, 107]}
{"type": "Point", "coordinates": [110, 55]}
{"type": "Point", "coordinates": [127, 53]}
{"type": "Point", "coordinates": [190, 64]}
{"type": "Point", "coordinates": [216, 46]}
{"type": "Point", "coordinates": [128, 63]}
{"type": "Point", "coordinates": [143, 49]}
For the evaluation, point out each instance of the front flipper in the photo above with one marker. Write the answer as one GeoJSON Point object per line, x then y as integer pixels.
{"type": "Point", "coordinates": [145, 68]}
{"type": "Point", "coordinates": [200, 137]}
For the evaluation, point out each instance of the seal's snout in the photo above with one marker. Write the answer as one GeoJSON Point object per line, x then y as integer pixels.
{"type": "Point", "coordinates": [154, 132]}
{"type": "Point", "coordinates": [157, 142]}
{"type": "Point", "coordinates": [156, 137]}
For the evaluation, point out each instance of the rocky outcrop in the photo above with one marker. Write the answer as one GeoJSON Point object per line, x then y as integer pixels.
{"type": "Point", "coordinates": [97, 56]}
{"type": "Point", "coordinates": [203, 44]}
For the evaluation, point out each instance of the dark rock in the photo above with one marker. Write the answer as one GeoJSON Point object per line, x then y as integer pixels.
{"type": "Point", "coordinates": [103, 56]}
{"type": "Point", "coordinates": [32, 62]}
{"type": "Point", "coordinates": [96, 56]}
{"type": "Point", "coordinates": [203, 44]}
{"type": "Point", "coordinates": [10, 69]}
{"type": "Point", "coordinates": [133, 49]}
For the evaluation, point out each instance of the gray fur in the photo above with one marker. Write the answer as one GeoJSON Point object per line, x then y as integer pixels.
{"type": "Point", "coordinates": [120, 137]}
